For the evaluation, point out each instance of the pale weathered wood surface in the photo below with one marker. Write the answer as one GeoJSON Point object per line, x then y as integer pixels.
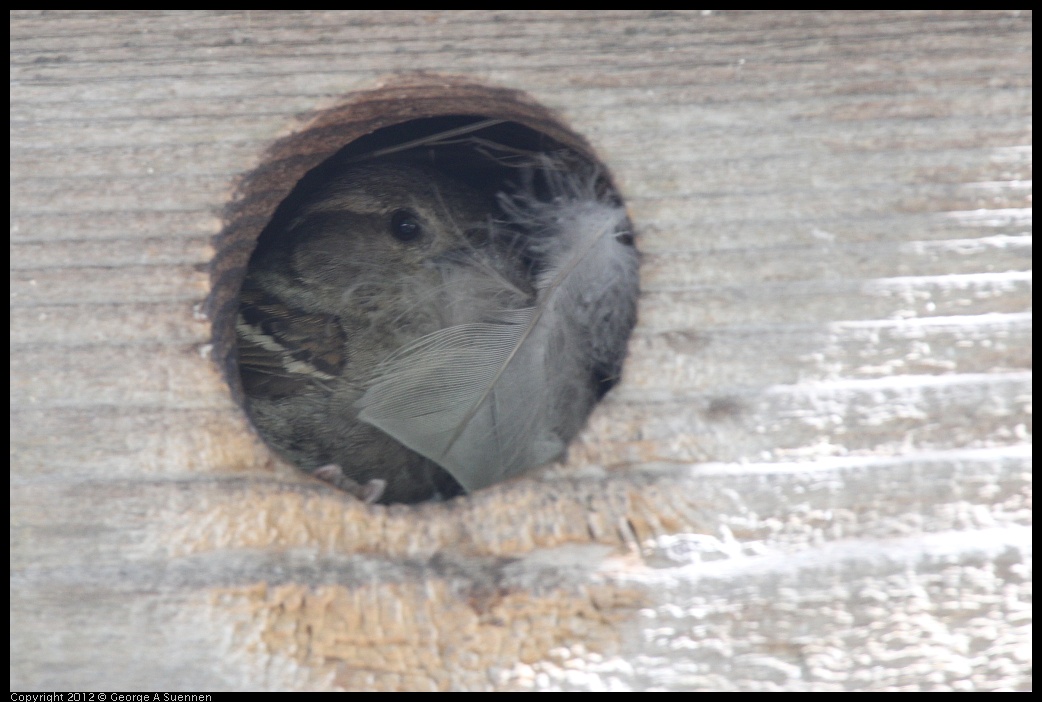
{"type": "Point", "coordinates": [815, 475]}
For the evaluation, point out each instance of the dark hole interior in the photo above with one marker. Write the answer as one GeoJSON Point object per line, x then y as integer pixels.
{"type": "Point", "coordinates": [484, 153]}
{"type": "Point", "coordinates": [487, 155]}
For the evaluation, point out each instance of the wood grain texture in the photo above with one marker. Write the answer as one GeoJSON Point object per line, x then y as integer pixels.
{"type": "Point", "coordinates": [816, 474]}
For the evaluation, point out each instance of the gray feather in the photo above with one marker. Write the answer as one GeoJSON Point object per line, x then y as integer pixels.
{"type": "Point", "coordinates": [494, 398]}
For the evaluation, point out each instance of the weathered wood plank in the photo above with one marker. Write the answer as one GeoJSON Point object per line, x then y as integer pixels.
{"type": "Point", "coordinates": [814, 476]}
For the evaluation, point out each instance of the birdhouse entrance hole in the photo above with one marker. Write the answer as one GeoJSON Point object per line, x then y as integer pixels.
{"type": "Point", "coordinates": [480, 137]}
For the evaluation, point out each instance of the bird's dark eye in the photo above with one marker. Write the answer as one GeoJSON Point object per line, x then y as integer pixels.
{"type": "Point", "coordinates": [405, 226]}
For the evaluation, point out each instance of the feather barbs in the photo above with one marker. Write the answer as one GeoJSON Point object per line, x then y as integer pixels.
{"type": "Point", "coordinates": [491, 399]}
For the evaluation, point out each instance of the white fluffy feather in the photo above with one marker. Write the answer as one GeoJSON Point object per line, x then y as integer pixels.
{"type": "Point", "coordinates": [491, 399]}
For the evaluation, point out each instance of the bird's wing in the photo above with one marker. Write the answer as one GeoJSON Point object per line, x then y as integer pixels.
{"type": "Point", "coordinates": [282, 350]}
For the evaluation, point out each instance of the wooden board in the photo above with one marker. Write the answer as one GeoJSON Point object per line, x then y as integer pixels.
{"type": "Point", "coordinates": [816, 474]}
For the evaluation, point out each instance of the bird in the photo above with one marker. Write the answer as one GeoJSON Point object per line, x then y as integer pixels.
{"type": "Point", "coordinates": [407, 336]}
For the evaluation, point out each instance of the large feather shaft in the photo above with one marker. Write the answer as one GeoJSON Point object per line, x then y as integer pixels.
{"type": "Point", "coordinates": [493, 398]}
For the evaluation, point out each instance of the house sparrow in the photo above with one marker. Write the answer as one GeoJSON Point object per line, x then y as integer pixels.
{"type": "Point", "coordinates": [394, 323]}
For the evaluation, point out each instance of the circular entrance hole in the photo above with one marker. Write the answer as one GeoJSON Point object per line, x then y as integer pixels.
{"type": "Point", "coordinates": [416, 298]}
